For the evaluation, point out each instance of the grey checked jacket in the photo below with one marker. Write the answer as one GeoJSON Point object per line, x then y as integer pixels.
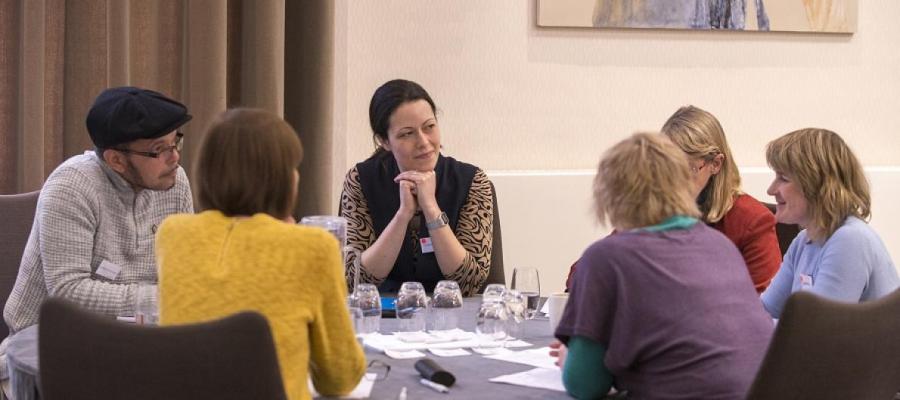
{"type": "Point", "coordinates": [87, 214]}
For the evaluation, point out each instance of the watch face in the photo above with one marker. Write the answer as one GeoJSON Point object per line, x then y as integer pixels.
{"type": "Point", "coordinates": [441, 220]}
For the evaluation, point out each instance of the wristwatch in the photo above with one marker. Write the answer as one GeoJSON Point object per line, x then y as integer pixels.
{"type": "Point", "coordinates": [438, 222]}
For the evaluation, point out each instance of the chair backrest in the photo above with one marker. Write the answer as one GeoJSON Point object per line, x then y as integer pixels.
{"type": "Point", "coordinates": [17, 214]}
{"type": "Point", "coordinates": [496, 274]}
{"type": "Point", "coordinates": [823, 349]}
{"type": "Point", "coordinates": [83, 355]}
{"type": "Point", "coordinates": [785, 232]}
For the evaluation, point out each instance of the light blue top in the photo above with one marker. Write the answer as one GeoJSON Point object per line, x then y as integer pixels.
{"type": "Point", "coordinates": [851, 266]}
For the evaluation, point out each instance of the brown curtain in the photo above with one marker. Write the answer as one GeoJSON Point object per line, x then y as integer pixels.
{"type": "Point", "coordinates": [57, 55]}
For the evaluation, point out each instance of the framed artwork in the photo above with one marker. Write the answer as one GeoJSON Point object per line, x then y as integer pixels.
{"type": "Point", "coordinates": [834, 16]}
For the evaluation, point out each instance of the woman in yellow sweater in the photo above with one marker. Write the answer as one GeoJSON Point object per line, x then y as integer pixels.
{"type": "Point", "coordinates": [245, 253]}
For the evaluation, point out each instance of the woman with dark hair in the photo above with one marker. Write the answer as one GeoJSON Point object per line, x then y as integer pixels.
{"type": "Point", "coordinates": [414, 214]}
{"type": "Point", "coordinates": [244, 252]}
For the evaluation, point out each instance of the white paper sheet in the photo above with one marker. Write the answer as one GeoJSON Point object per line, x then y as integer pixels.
{"type": "Point", "coordinates": [403, 355]}
{"type": "Point", "coordinates": [449, 352]}
{"type": "Point", "coordinates": [543, 378]}
{"type": "Point", "coordinates": [454, 339]}
{"type": "Point", "coordinates": [534, 357]}
{"type": "Point", "coordinates": [362, 390]}
{"type": "Point", "coordinates": [487, 351]}
{"type": "Point", "coordinates": [517, 343]}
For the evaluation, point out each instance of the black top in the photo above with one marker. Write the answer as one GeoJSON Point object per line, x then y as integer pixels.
{"type": "Point", "coordinates": [376, 176]}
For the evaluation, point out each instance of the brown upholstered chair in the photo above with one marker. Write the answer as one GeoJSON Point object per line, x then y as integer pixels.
{"type": "Point", "coordinates": [496, 274]}
{"type": "Point", "coordinates": [83, 355]}
{"type": "Point", "coordinates": [828, 350]}
{"type": "Point", "coordinates": [17, 214]}
{"type": "Point", "coordinates": [785, 232]}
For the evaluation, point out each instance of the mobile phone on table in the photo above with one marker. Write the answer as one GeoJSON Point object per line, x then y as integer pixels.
{"type": "Point", "coordinates": [388, 309]}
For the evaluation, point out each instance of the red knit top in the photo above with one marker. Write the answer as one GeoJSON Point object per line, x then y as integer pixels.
{"type": "Point", "coordinates": [751, 227]}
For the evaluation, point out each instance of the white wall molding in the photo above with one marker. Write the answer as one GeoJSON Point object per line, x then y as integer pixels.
{"type": "Point", "coordinates": [548, 220]}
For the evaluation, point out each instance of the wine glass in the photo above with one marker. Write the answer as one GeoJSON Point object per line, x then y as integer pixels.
{"type": "Point", "coordinates": [445, 306]}
{"type": "Point", "coordinates": [526, 282]}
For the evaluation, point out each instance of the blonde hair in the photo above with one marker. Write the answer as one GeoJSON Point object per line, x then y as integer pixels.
{"type": "Point", "coordinates": [699, 134]}
{"type": "Point", "coordinates": [247, 163]}
{"type": "Point", "coordinates": [642, 181]}
{"type": "Point", "coordinates": [830, 176]}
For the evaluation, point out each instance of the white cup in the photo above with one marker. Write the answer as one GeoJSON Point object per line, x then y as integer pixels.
{"type": "Point", "coordinates": [556, 305]}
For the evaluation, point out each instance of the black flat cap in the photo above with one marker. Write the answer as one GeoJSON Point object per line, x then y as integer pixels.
{"type": "Point", "coordinates": [123, 114]}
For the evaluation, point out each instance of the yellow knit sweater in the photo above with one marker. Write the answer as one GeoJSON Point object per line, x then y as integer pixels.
{"type": "Point", "coordinates": [211, 266]}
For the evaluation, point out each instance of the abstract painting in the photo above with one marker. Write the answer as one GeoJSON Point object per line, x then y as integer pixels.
{"type": "Point", "coordinates": [835, 16]}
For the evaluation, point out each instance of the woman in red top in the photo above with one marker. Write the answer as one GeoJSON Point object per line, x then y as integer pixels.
{"type": "Point", "coordinates": [717, 187]}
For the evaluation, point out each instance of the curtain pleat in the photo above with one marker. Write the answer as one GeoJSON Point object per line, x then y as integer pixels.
{"type": "Point", "coordinates": [308, 100]}
{"type": "Point", "coordinates": [9, 101]}
{"type": "Point", "coordinates": [57, 55]}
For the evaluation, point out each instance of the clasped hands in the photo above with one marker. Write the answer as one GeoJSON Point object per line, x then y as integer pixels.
{"type": "Point", "coordinates": [417, 190]}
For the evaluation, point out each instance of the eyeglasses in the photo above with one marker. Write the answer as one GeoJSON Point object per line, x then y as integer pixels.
{"type": "Point", "coordinates": [379, 368]}
{"type": "Point", "coordinates": [163, 152]}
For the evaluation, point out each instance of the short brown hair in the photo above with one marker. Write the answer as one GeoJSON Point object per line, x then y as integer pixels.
{"type": "Point", "coordinates": [831, 178]}
{"type": "Point", "coordinates": [699, 134]}
{"type": "Point", "coordinates": [642, 181]}
{"type": "Point", "coordinates": [247, 163]}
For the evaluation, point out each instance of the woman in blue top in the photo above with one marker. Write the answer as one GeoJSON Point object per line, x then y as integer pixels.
{"type": "Point", "coordinates": [819, 184]}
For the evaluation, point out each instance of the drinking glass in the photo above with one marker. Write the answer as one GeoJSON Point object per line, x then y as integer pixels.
{"type": "Point", "coordinates": [493, 291]}
{"type": "Point", "coordinates": [526, 282]}
{"type": "Point", "coordinates": [146, 305]}
{"type": "Point", "coordinates": [369, 303]}
{"type": "Point", "coordinates": [446, 305]}
{"type": "Point", "coordinates": [515, 303]}
{"type": "Point", "coordinates": [490, 323]}
{"type": "Point", "coordinates": [412, 306]}
{"type": "Point", "coordinates": [335, 225]}
{"type": "Point", "coordinates": [355, 301]}
{"type": "Point", "coordinates": [356, 315]}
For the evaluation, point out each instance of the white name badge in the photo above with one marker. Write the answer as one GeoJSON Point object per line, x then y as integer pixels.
{"type": "Point", "coordinates": [427, 247]}
{"type": "Point", "coordinates": [806, 282]}
{"type": "Point", "coordinates": [108, 270]}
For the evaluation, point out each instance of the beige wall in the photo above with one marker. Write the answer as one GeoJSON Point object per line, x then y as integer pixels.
{"type": "Point", "coordinates": [517, 97]}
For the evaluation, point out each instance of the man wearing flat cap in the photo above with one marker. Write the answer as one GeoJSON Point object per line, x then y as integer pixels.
{"type": "Point", "coordinates": [93, 233]}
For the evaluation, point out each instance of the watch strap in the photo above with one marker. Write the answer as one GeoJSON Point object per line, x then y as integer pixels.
{"type": "Point", "coordinates": [438, 222]}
